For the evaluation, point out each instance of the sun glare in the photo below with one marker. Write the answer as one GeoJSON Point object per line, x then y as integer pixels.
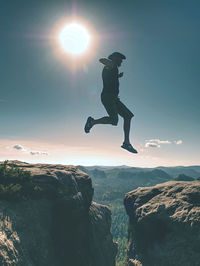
{"type": "Point", "coordinates": [74, 38]}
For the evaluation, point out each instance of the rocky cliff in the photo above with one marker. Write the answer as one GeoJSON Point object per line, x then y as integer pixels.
{"type": "Point", "coordinates": [164, 228]}
{"type": "Point", "coordinates": [56, 224]}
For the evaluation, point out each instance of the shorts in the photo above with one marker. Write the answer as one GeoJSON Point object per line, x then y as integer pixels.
{"type": "Point", "coordinates": [114, 106]}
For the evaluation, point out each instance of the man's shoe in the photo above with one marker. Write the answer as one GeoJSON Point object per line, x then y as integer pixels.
{"type": "Point", "coordinates": [88, 124]}
{"type": "Point", "coordinates": [128, 147]}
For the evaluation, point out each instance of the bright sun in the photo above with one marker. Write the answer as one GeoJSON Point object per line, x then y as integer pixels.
{"type": "Point", "coordinates": [74, 38]}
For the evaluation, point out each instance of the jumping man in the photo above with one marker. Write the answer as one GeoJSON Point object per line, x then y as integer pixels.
{"type": "Point", "coordinates": [111, 101]}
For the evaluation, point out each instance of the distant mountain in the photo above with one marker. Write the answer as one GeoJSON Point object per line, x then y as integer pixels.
{"type": "Point", "coordinates": [145, 178]}
{"type": "Point", "coordinates": [125, 178]}
{"type": "Point", "coordinates": [183, 177]}
{"type": "Point", "coordinates": [192, 171]}
{"type": "Point", "coordinates": [94, 172]}
{"type": "Point", "coordinates": [102, 167]}
{"type": "Point", "coordinates": [112, 171]}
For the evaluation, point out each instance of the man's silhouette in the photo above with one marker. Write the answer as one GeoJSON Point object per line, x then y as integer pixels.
{"type": "Point", "coordinates": [111, 101]}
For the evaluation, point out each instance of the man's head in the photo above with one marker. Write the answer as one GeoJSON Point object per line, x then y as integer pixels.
{"type": "Point", "coordinates": [117, 58]}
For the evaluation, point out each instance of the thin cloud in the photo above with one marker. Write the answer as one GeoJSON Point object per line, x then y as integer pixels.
{"type": "Point", "coordinates": [158, 141]}
{"type": "Point", "coordinates": [19, 147]}
{"type": "Point", "coordinates": [178, 142]}
{"type": "Point", "coordinates": [152, 145]}
{"type": "Point", "coordinates": [38, 153]}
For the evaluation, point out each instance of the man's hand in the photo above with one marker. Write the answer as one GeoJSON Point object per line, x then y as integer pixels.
{"type": "Point", "coordinates": [120, 74]}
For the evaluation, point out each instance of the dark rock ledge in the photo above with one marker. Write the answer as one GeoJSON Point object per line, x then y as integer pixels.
{"type": "Point", "coordinates": [68, 230]}
{"type": "Point", "coordinates": [164, 227]}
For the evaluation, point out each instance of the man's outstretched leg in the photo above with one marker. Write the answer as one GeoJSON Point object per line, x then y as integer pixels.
{"type": "Point", "coordinates": [126, 144]}
{"type": "Point", "coordinates": [104, 120]}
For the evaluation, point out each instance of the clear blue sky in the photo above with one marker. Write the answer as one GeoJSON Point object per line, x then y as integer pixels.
{"type": "Point", "coordinates": [43, 105]}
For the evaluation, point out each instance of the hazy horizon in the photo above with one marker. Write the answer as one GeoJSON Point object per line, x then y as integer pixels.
{"type": "Point", "coordinates": [101, 165]}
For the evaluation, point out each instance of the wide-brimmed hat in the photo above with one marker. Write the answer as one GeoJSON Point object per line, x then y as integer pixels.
{"type": "Point", "coordinates": [116, 55]}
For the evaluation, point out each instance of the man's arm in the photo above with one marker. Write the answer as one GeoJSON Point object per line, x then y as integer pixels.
{"type": "Point", "coordinates": [120, 75]}
{"type": "Point", "coordinates": [107, 62]}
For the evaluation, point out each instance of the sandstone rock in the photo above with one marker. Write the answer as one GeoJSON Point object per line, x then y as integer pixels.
{"type": "Point", "coordinates": [164, 227]}
{"type": "Point", "coordinates": [100, 223]}
{"type": "Point", "coordinates": [66, 230]}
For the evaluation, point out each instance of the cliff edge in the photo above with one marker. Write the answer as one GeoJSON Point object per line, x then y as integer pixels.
{"type": "Point", "coordinates": [164, 224]}
{"type": "Point", "coordinates": [51, 220]}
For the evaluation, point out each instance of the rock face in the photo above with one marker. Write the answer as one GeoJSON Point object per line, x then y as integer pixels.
{"type": "Point", "coordinates": [69, 230]}
{"type": "Point", "coordinates": [164, 228]}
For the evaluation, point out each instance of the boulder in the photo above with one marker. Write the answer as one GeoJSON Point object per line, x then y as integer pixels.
{"type": "Point", "coordinates": [61, 228]}
{"type": "Point", "coordinates": [164, 224]}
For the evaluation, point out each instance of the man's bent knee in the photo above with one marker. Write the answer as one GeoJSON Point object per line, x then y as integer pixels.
{"type": "Point", "coordinates": [130, 116]}
{"type": "Point", "coordinates": [114, 121]}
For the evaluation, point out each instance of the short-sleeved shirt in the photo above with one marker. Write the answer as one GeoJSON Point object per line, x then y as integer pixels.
{"type": "Point", "coordinates": [110, 80]}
